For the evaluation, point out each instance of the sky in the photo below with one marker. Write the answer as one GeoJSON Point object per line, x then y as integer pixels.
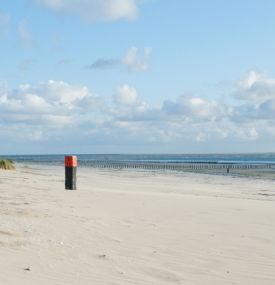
{"type": "Point", "coordinates": [137, 76]}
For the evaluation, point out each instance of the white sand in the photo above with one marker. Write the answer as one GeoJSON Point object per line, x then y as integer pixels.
{"type": "Point", "coordinates": [126, 227]}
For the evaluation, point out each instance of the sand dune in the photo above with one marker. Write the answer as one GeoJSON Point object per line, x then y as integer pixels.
{"type": "Point", "coordinates": [127, 227]}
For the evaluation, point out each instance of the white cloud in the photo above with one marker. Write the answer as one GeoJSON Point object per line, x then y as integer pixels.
{"type": "Point", "coordinates": [194, 108]}
{"type": "Point", "coordinates": [94, 10]}
{"type": "Point", "coordinates": [52, 102]}
{"type": "Point", "coordinates": [256, 87]}
{"type": "Point", "coordinates": [136, 63]}
{"type": "Point", "coordinates": [127, 96]}
{"type": "Point", "coordinates": [256, 93]}
{"type": "Point", "coordinates": [253, 133]}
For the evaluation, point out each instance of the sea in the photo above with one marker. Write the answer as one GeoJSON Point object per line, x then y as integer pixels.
{"type": "Point", "coordinates": [90, 159]}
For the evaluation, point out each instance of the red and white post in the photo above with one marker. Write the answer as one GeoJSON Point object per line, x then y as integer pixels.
{"type": "Point", "coordinates": [70, 172]}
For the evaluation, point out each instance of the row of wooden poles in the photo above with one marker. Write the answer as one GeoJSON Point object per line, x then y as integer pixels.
{"type": "Point", "coordinates": [176, 166]}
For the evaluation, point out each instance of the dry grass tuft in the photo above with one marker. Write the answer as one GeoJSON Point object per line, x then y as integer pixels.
{"type": "Point", "coordinates": [7, 164]}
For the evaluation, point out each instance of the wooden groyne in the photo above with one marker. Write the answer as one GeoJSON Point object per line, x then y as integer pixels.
{"type": "Point", "coordinates": [182, 166]}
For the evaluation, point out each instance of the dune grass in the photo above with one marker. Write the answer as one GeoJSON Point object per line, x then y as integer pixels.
{"type": "Point", "coordinates": [7, 164]}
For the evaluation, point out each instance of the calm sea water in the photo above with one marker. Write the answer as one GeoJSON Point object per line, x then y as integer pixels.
{"type": "Point", "coordinates": [90, 159]}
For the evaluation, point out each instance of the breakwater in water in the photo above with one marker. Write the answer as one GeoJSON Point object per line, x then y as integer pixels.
{"type": "Point", "coordinates": [179, 165]}
{"type": "Point", "coordinates": [256, 170]}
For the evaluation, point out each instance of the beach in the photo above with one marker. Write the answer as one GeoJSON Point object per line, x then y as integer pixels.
{"type": "Point", "coordinates": [135, 227]}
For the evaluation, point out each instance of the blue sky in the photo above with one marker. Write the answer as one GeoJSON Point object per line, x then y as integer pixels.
{"type": "Point", "coordinates": [138, 76]}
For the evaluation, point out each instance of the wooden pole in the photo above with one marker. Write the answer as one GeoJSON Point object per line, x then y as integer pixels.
{"type": "Point", "coordinates": [70, 172]}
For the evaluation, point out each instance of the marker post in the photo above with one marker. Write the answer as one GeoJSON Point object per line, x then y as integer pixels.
{"type": "Point", "coordinates": [70, 172]}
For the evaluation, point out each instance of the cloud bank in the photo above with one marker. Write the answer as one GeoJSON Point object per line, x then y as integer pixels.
{"type": "Point", "coordinates": [54, 110]}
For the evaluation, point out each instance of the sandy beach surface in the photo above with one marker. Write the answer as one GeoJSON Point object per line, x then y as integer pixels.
{"type": "Point", "coordinates": [130, 227]}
